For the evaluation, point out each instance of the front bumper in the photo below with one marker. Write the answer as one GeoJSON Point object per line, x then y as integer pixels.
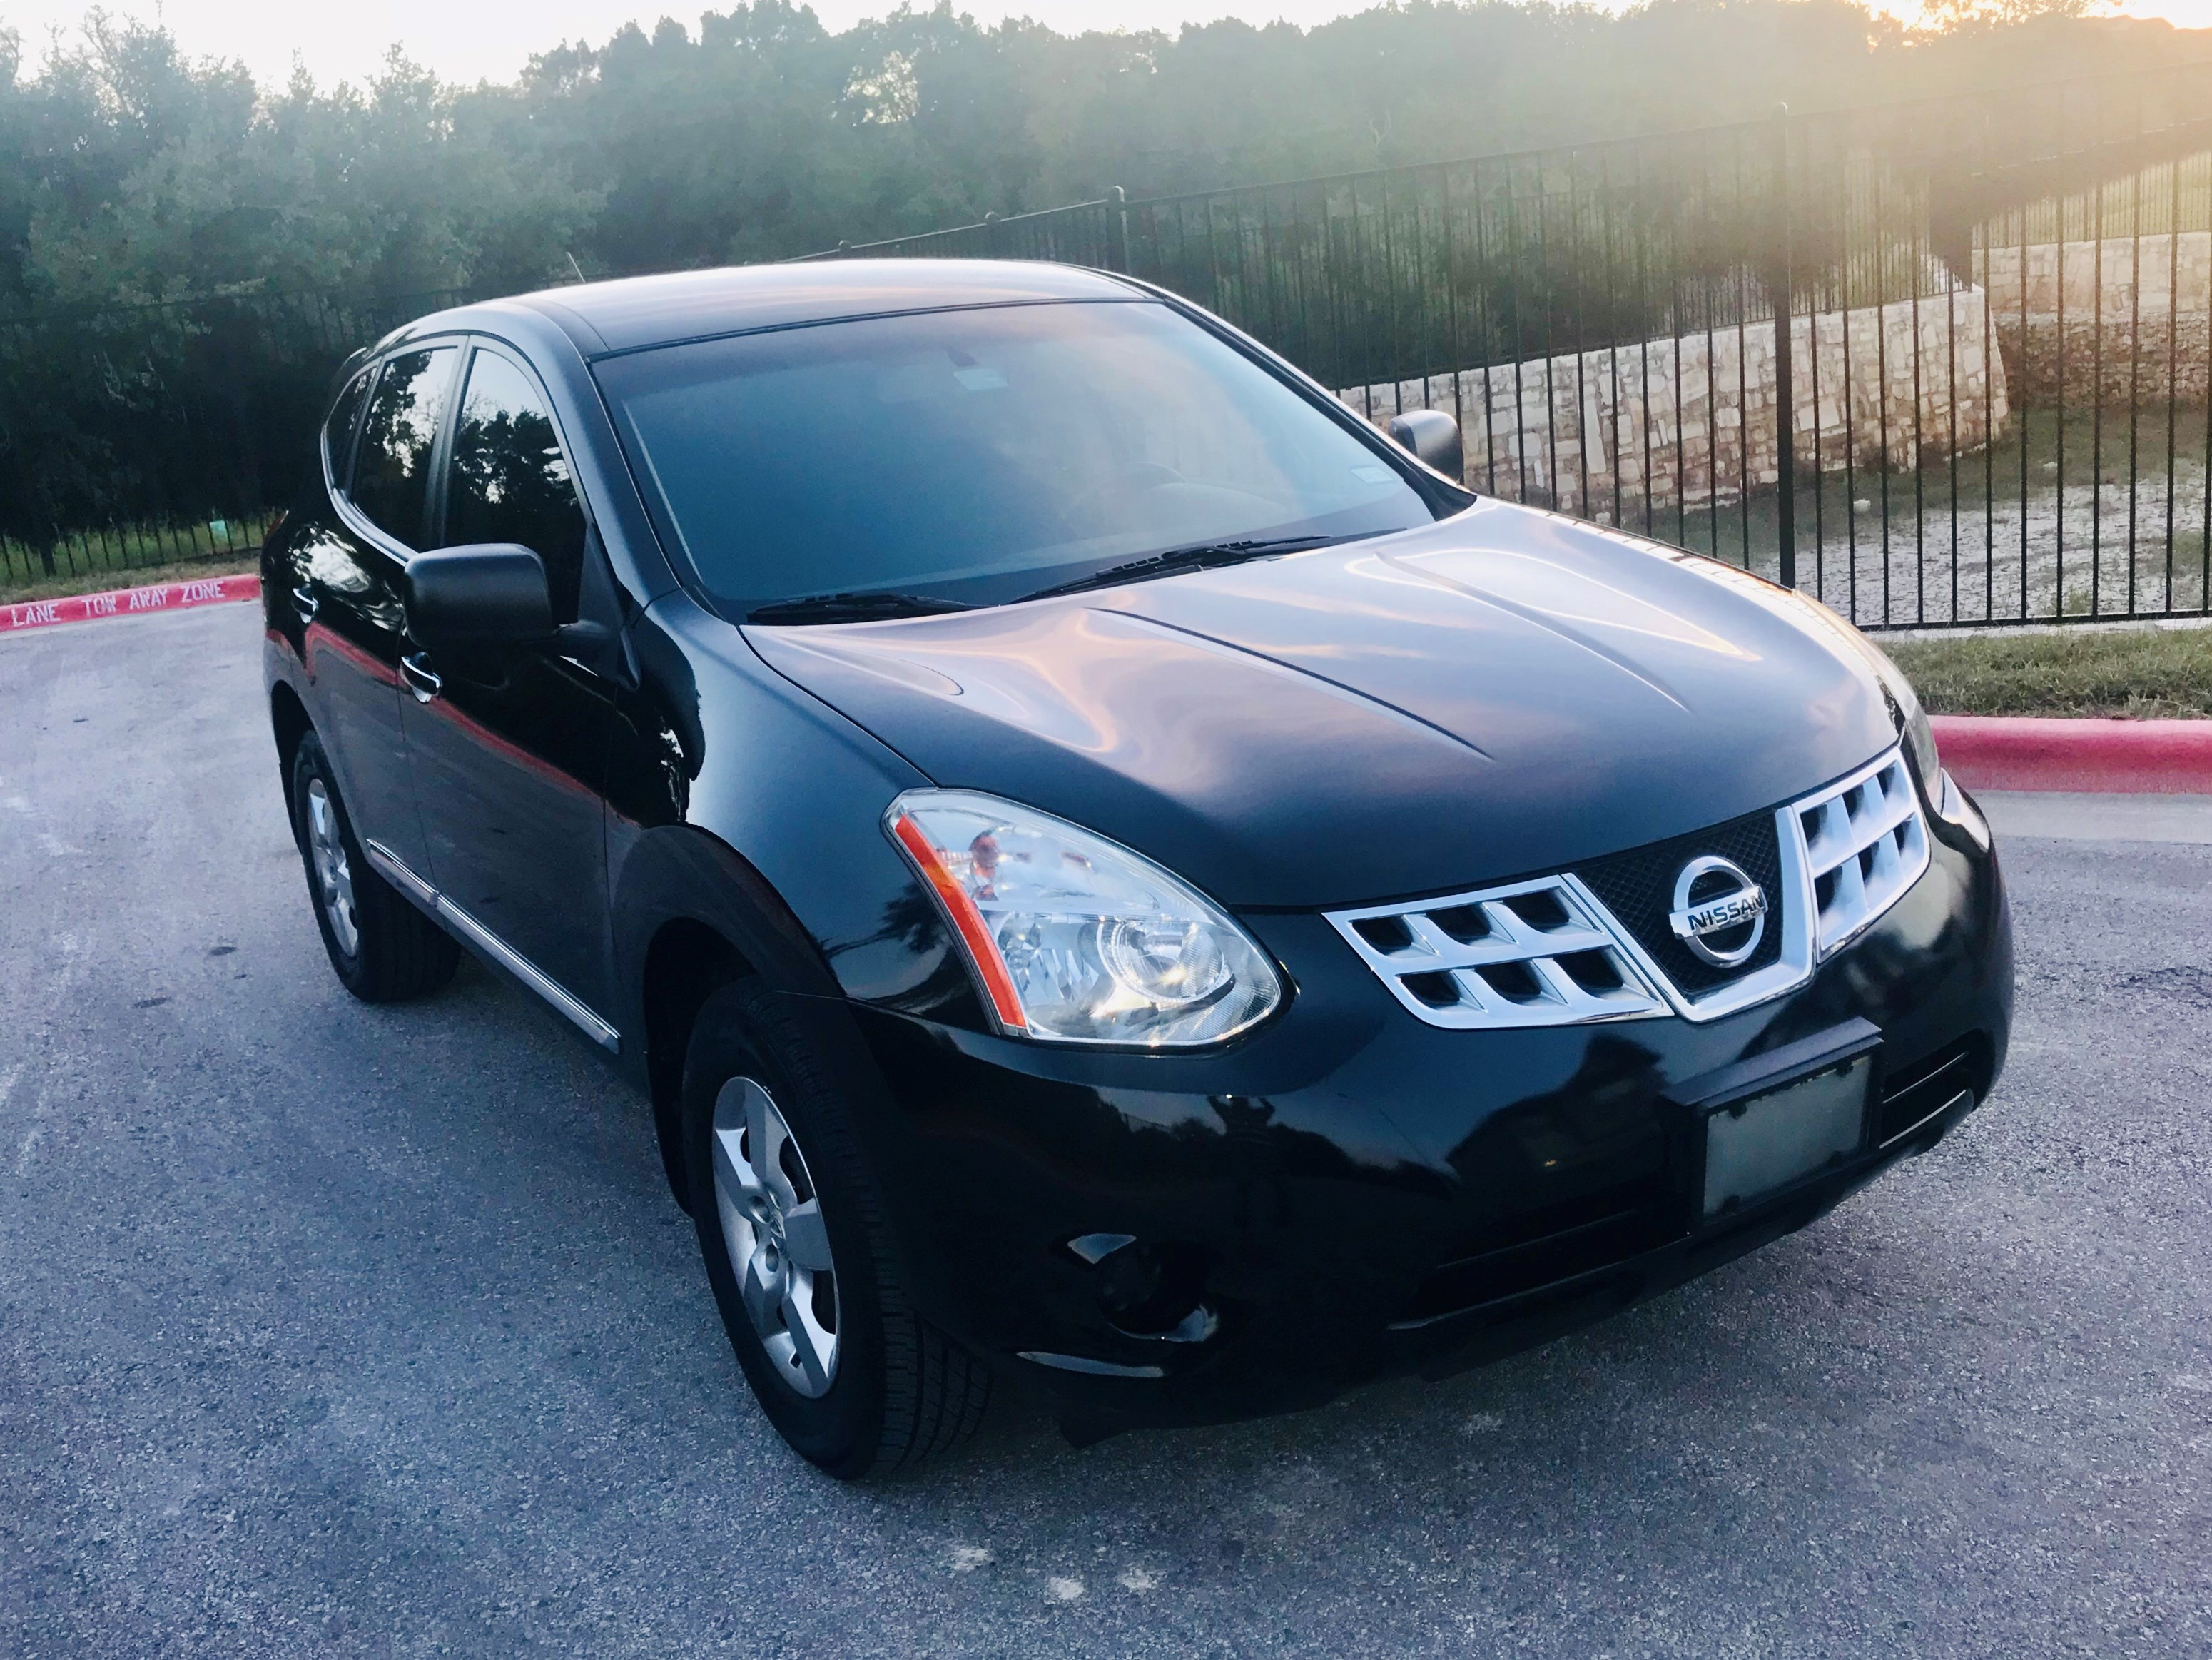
{"type": "Point", "coordinates": [1350, 1192]}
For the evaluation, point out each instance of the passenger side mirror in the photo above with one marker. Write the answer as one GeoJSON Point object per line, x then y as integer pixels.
{"type": "Point", "coordinates": [488, 593]}
{"type": "Point", "coordinates": [1433, 437]}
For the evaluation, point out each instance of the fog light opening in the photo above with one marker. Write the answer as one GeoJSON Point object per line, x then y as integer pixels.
{"type": "Point", "coordinates": [1147, 1289]}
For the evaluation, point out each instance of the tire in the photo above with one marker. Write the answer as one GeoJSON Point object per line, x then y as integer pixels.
{"type": "Point", "coordinates": [382, 949]}
{"type": "Point", "coordinates": [892, 1391]}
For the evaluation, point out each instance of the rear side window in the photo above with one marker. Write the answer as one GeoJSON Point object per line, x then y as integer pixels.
{"type": "Point", "coordinates": [510, 482]}
{"type": "Point", "coordinates": [392, 474]}
{"type": "Point", "coordinates": [337, 431]}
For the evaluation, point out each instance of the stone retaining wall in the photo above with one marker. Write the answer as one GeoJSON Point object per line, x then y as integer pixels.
{"type": "Point", "coordinates": [1580, 431]}
{"type": "Point", "coordinates": [2135, 310]}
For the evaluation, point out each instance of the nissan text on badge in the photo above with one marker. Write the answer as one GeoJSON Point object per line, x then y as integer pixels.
{"type": "Point", "coordinates": [1117, 879]}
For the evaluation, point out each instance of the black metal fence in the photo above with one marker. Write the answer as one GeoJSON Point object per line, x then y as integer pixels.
{"type": "Point", "coordinates": [136, 436]}
{"type": "Point", "coordinates": [1939, 363]}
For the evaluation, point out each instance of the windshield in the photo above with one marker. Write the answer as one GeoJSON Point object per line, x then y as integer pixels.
{"type": "Point", "coordinates": [974, 457]}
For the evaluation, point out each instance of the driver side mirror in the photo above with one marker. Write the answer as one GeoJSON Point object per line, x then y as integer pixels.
{"type": "Point", "coordinates": [1433, 437]}
{"type": "Point", "coordinates": [485, 594]}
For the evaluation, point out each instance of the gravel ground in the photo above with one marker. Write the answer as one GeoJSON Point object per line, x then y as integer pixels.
{"type": "Point", "coordinates": [331, 1330]}
{"type": "Point", "coordinates": [2070, 555]}
{"type": "Point", "coordinates": [2017, 532]}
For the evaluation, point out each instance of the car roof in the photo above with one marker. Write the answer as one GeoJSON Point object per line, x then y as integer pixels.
{"type": "Point", "coordinates": [636, 312]}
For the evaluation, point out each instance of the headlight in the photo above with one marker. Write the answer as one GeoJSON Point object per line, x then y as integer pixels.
{"type": "Point", "coordinates": [1077, 940]}
{"type": "Point", "coordinates": [1919, 737]}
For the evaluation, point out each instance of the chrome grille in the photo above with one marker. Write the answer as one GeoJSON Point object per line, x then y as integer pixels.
{"type": "Point", "coordinates": [1864, 843]}
{"type": "Point", "coordinates": [1637, 889]}
{"type": "Point", "coordinates": [1538, 953]}
{"type": "Point", "coordinates": [1550, 951]}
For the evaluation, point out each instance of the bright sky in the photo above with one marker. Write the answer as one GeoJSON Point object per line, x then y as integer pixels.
{"type": "Point", "coordinates": [493, 39]}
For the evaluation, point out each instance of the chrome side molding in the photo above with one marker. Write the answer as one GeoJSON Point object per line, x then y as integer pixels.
{"type": "Point", "coordinates": [396, 870]}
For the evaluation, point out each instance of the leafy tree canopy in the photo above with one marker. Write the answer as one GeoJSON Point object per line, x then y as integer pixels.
{"type": "Point", "coordinates": [130, 173]}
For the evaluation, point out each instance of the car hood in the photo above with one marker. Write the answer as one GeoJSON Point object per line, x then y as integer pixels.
{"type": "Point", "coordinates": [1505, 692]}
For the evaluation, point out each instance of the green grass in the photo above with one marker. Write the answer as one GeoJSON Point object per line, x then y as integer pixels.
{"type": "Point", "coordinates": [99, 581]}
{"type": "Point", "coordinates": [2139, 673]}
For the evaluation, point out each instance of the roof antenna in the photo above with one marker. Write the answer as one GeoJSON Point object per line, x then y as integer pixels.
{"type": "Point", "coordinates": [574, 266]}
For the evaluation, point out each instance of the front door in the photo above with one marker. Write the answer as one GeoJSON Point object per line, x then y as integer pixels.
{"type": "Point", "coordinates": [509, 747]}
{"type": "Point", "coordinates": [346, 564]}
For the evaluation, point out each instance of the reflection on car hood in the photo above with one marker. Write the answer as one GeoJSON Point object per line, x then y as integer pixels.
{"type": "Point", "coordinates": [1505, 692]}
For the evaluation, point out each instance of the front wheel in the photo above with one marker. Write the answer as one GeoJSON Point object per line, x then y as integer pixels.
{"type": "Point", "coordinates": [797, 1252]}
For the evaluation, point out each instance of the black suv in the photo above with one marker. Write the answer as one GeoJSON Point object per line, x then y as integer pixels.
{"type": "Point", "coordinates": [1115, 876]}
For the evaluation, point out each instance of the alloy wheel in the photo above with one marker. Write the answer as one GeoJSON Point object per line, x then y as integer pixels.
{"type": "Point", "coordinates": [778, 1246]}
{"type": "Point", "coordinates": [333, 869]}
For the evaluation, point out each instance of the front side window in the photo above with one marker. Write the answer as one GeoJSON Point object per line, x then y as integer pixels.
{"type": "Point", "coordinates": [392, 472]}
{"type": "Point", "coordinates": [337, 431]}
{"type": "Point", "coordinates": [979, 456]}
{"type": "Point", "coordinates": [509, 482]}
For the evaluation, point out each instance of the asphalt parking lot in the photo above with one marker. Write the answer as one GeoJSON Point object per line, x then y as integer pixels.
{"type": "Point", "coordinates": [334, 1330]}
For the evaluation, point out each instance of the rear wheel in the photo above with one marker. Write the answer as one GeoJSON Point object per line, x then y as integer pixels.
{"type": "Point", "coordinates": [382, 949]}
{"type": "Point", "coordinates": [797, 1251]}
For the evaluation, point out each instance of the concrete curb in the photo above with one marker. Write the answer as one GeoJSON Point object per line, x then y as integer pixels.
{"type": "Point", "coordinates": [2134, 757]}
{"type": "Point", "coordinates": [126, 602]}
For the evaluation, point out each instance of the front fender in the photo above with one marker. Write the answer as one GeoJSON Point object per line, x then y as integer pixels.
{"type": "Point", "coordinates": [718, 745]}
{"type": "Point", "coordinates": [681, 873]}
{"type": "Point", "coordinates": [744, 835]}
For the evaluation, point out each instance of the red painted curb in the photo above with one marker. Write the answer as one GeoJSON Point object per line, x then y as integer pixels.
{"type": "Point", "coordinates": [2135, 757]}
{"type": "Point", "coordinates": [125, 602]}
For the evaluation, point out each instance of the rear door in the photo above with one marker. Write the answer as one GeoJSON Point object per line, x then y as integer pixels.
{"type": "Point", "coordinates": [509, 747]}
{"type": "Point", "coordinates": [347, 571]}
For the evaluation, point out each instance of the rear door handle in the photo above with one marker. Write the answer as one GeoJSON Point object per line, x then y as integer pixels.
{"type": "Point", "coordinates": [305, 602]}
{"type": "Point", "coordinates": [421, 680]}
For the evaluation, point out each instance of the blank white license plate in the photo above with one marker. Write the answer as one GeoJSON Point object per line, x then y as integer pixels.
{"type": "Point", "coordinates": [1755, 1146]}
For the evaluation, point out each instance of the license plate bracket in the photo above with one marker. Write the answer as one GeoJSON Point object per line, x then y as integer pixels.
{"type": "Point", "coordinates": [1765, 1125]}
{"type": "Point", "coordinates": [1769, 1142]}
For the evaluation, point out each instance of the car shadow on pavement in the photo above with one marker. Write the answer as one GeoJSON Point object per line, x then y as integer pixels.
{"type": "Point", "coordinates": [1719, 1422]}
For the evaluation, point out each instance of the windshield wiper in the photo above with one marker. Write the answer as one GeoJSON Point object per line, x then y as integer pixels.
{"type": "Point", "coordinates": [1198, 555]}
{"type": "Point", "coordinates": [856, 607]}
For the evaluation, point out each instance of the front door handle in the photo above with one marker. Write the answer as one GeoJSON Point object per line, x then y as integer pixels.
{"type": "Point", "coordinates": [305, 602]}
{"type": "Point", "coordinates": [421, 680]}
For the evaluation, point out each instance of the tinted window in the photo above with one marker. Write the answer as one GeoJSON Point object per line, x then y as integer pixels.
{"type": "Point", "coordinates": [337, 431]}
{"type": "Point", "coordinates": [510, 482]}
{"type": "Point", "coordinates": [393, 469]}
{"type": "Point", "coordinates": [980, 455]}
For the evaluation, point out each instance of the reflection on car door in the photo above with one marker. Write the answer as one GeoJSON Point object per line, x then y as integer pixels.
{"type": "Point", "coordinates": [346, 566]}
{"type": "Point", "coordinates": [509, 746]}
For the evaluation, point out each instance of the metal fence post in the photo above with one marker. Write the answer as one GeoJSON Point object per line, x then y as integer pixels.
{"type": "Point", "coordinates": [1121, 200]}
{"type": "Point", "coordinates": [1785, 394]}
